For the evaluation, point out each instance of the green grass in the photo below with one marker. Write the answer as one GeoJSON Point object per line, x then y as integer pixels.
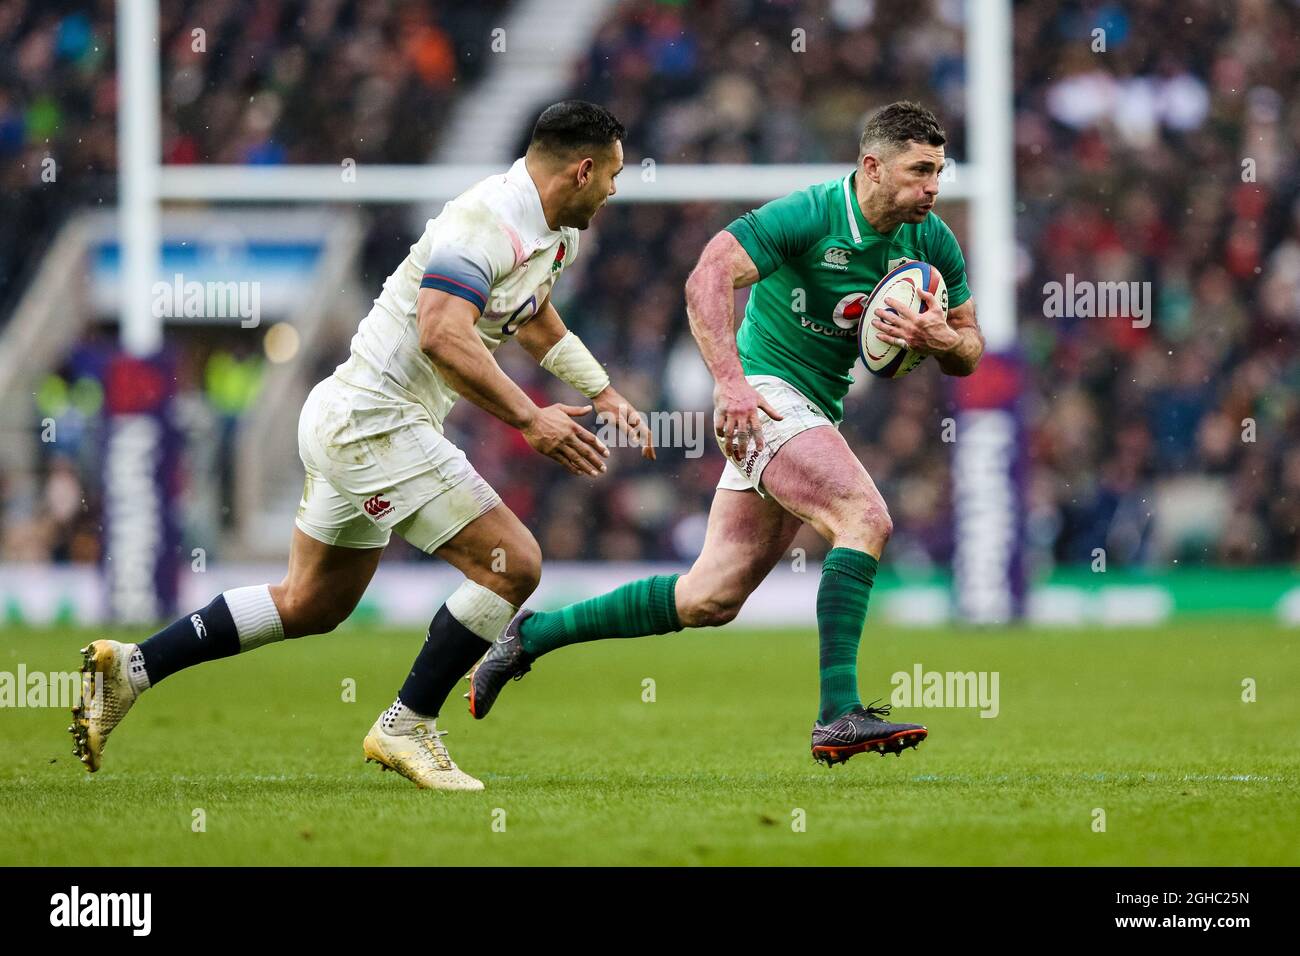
{"type": "Point", "coordinates": [1148, 725]}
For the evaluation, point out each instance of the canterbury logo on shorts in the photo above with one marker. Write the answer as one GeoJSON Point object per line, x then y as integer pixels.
{"type": "Point", "coordinates": [377, 506]}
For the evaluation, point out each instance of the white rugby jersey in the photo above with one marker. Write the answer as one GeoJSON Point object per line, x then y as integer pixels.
{"type": "Point", "coordinates": [492, 247]}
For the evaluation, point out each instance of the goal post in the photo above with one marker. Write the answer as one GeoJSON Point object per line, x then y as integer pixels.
{"type": "Point", "coordinates": [989, 461]}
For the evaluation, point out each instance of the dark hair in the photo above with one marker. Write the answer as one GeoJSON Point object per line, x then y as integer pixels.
{"type": "Point", "coordinates": [573, 125]}
{"type": "Point", "coordinates": [894, 126]}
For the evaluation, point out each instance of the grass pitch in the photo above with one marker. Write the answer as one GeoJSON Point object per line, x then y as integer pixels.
{"type": "Point", "coordinates": [1148, 726]}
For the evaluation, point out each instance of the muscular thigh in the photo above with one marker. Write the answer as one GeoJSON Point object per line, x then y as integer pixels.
{"type": "Point", "coordinates": [747, 534]}
{"type": "Point", "coordinates": [323, 584]}
{"type": "Point", "coordinates": [498, 552]}
{"type": "Point", "coordinates": [816, 476]}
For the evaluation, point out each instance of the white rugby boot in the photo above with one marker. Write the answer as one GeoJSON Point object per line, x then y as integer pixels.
{"type": "Point", "coordinates": [106, 696]}
{"type": "Point", "coordinates": [420, 756]}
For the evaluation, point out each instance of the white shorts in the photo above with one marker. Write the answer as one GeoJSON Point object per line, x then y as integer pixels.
{"type": "Point", "coordinates": [798, 414]}
{"type": "Point", "coordinates": [372, 463]}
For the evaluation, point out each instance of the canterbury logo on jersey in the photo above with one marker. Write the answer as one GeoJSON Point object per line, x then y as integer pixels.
{"type": "Point", "coordinates": [377, 506]}
{"type": "Point", "coordinates": [836, 258]}
{"type": "Point", "coordinates": [199, 629]}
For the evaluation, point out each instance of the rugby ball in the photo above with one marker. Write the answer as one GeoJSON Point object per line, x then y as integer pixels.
{"type": "Point", "coordinates": [902, 284]}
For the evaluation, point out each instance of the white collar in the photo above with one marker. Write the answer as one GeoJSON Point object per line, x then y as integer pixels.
{"type": "Point", "coordinates": [534, 218]}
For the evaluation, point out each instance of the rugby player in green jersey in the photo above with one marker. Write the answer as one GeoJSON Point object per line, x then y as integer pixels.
{"type": "Point", "coordinates": [811, 257]}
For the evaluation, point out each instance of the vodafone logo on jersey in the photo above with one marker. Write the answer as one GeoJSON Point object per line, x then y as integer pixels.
{"type": "Point", "coordinates": [848, 311]}
{"type": "Point", "coordinates": [377, 506]}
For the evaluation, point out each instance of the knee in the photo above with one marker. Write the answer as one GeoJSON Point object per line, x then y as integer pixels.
{"type": "Point", "coordinates": [714, 611]}
{"type": "Point", "coordinates": [303, 613]}
{"type": "Point", "coordinates": [707, 607]}
{"type": "Point", "coordinates": [520, 568]}
{"type": "Point", "coordinates": [877, 523]}
{"type": "Point", "coordinates": [864, 527]}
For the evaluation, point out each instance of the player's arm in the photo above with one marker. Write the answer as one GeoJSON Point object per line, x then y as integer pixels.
{"type": "Point", "coordinates": [725, 266]}
{"type": "Point", "coordinates": [750, 248]}
{"type": "Point", "coordinates": [965, 355]}
{"type": "Point", "coordinates": [558, 350]}
{"type": "Point", "coordinates": [956, 344]}
{"type": "Point", "coordinates": [449, 338]}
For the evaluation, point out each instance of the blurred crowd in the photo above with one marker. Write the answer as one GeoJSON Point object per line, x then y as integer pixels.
{"type": "Point", "coordinates": [243, 81]}
{"type": "Point", "coordinates": [217, 378]}
{"type": "Point", "coordinates": [1154, 144]}
{"type": "Point", "coordinates": [1169, 159]}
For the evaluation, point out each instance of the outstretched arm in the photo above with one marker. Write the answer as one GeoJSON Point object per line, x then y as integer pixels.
{"type": "Point", "coordinates": [448, 337]}
{"type": "Point", "coordinates": [560, 352]}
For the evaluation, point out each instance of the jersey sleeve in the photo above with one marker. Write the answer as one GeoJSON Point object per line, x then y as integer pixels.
{"type": "Point", "coordinates": [945, 254]}
{"type": "Point", "coordinates": [780, 230]}
{"type": "Point", "coordinates": [471, 253]}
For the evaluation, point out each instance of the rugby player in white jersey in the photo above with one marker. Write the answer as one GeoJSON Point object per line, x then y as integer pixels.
{"type": "Point", "coordinates": [370, 437]}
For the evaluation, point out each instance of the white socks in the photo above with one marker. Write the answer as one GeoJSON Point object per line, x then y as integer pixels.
{"type": "Point", "coordinates": [482, 611]}
{"type": "Point", "coordinates": [400, 720]}
{"type": "Point", "coordinates": [256, 619]}
{"type": "Point", "coordinates": [135, 672]}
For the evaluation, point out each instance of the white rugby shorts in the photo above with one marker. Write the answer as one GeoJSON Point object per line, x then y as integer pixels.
{"type": "Point", "coordinates": [372, 463]}
{"type": "Point", "coordinates": [798, 414]}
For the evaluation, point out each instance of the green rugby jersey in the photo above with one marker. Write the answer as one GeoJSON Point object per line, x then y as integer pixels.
{"type": "Point", "coordinates": [818, 258]}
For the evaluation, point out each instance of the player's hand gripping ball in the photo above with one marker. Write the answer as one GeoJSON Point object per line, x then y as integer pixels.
{"type": "Point", "coordinates": [903, 284]}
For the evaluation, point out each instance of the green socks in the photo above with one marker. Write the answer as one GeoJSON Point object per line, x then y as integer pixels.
{"type": "Point", "coordinates": [643, 607]}
{"type": "Point", "coordinates": [648, 606]}
{"type": "Point", "coordinates": [842, 598]}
